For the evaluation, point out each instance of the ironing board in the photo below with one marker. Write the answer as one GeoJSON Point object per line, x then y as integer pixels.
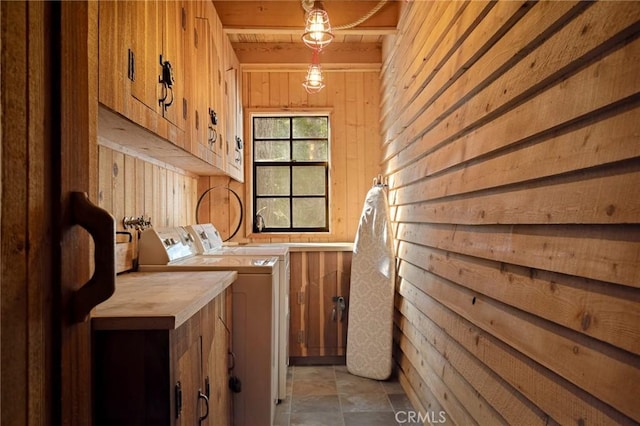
{"type": "Point", "coordinates": [370, 332]}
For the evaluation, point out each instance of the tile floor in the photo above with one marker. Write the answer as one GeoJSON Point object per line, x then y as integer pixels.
{"type": "Point", "coordinates": [331, 396]}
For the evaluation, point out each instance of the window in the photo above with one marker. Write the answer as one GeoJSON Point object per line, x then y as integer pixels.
{"type": "Point", "coordinates": [291, 173]}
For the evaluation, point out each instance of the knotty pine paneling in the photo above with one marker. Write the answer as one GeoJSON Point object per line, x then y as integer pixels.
{"type": "Point", "coordinates": [130, 186]}
{"type": "Point", "coordinates": [510, 140]}
{"type": "Point", "coordinates": [353, 101]}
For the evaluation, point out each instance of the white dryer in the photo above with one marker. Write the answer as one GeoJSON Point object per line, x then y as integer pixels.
{"type": "Point", "coordinates": [255, 320]}
{"type": "Point", "coordinates": [208, 243]}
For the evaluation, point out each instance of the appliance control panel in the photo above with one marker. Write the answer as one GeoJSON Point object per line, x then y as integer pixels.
{"type": "Point", "coordinates": [207, 238]}
{"type": "Point", "coordinates": [160, 246]}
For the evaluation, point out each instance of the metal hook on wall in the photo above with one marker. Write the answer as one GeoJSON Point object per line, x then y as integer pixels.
{"type": "Point", "coordinates": [137, 223]}
{"type": "Point", "coordinates": [381, 181]}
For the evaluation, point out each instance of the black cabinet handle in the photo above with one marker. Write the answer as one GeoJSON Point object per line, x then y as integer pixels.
{"type": "Point", "coordinates": [206, 404]}
{"type": "Point", "coordinates": [167, 81]}
{"type": "Point", "coordinates": [131, 65]}
{"type": "Point", "coordinates": [178, 391]}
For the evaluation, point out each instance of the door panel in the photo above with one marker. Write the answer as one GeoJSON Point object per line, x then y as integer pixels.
{"type": "Point", "coordinates": [27, 245]}
{"type": "Point", "coordinates": [77, 164]}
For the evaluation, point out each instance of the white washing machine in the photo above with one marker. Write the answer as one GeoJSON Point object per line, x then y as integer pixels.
{"type": "Point", "coordinates": [208, 243]}
{"type": "Point", "coordinates": [255, 320]}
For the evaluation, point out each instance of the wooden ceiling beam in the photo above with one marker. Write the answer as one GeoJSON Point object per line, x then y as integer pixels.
{"type": "Point", "coordinates": [299, 31]}
{"type": "Point", "coordinates": [280, 15]}
{"type": "Point", "coordinates": [298, 53]}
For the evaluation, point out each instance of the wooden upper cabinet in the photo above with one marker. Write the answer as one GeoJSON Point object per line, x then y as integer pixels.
{"type": "Point", "coordinates": [162, 67]}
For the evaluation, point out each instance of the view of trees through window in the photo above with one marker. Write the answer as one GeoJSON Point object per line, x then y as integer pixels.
{"type": "Point", "coordinates": [291, 173]}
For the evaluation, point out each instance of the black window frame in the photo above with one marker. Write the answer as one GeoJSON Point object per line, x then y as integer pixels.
{"type": "Point", "coordinates": [290, 164]}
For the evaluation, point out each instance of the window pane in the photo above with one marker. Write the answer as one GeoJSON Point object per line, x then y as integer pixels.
{"type": "Point", "coordinates": [310, 127]}
{"type": "Point", "coordinates": [308, 180]}
{"type": "Point", "coordinates": [309, 213]}
{"type": "Point", "coordinates": [271, 127]}
{"type": "Point", "coordinates": [271, 150]}
{"type": "Point", "coordinates": [310, 150]}
{"type": "Point", "coordinates": [275, 212]}
{"type": "Point", "coordinates": [272, 181]}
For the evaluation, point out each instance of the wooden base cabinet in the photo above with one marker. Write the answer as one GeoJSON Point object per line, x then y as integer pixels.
{"type": "Point", "coordinates": [319, 305]}
{"type": "Point", "coordinates": [164, 377]}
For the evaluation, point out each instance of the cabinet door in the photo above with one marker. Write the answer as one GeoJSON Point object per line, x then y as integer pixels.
{"type": "Point", "coordinates": [187, 347]}
{"type": "Point", "coordinates": [114, 34]}
{"type": "Point", "coordinates": [234, 141]}
{"type": "Point", "coordinates": [319, 303]}
{"type": "Point", "coordinates": [201, 95]}
{"type": "Point", "coordinates": [132, 378]}
{"type": "Point", "coordinates": [130, 44]}
{"type": "Point", "coordinates": [297, 288]}
{"type": "Point", "coordinates": [143, 49]}
{"type": "Point", "coordinates": [215, 347]}
{"type": "Point", "coordinates": [216, 91]}
{"type": "Point", "coordinates": [328, 296]}
{"type": "Point", "coordinates": [222, 396]}
{"type": "Point", "coordinates": [173, 48]}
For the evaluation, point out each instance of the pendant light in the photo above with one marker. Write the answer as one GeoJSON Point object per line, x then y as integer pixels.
{"type": "Point", "coordinates": [317, 35]}
{"type": "Point", "coordinates": [314, 81]}
{"type": "Point", "coordinates": [317, 30]}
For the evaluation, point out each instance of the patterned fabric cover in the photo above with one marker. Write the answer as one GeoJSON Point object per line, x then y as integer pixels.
{"type": "Point", "coordinates": [369, 336]}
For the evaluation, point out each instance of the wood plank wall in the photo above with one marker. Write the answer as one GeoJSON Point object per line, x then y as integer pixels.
{"type": "Point", "coordinates": [512, 146]}
{"type": "Point", "coordinates": [131, 186]}
{"type": "Point", "coordinates": [353, 99]}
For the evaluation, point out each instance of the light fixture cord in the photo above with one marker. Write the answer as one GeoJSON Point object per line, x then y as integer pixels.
{"type": "Point", "coordinates": [364, 18]}
{"type": "Point", "coordinates": [307, 5]}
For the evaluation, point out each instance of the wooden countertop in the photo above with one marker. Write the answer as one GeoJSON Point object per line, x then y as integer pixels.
{"type": "Point", "coordinates": [159, 300]}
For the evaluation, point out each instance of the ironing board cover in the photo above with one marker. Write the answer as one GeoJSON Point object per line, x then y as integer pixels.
{"type": "Point", "coordinates": [369, 336]}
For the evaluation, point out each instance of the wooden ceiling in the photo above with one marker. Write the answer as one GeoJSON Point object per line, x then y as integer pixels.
{"type": "Point", "coordinates": [268, 33]}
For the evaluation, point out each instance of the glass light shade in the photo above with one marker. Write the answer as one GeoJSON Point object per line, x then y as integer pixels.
{"type": "Point", "coordinates": [314, 81]}
{"type": "Point", "coordinates": [317, 31]}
